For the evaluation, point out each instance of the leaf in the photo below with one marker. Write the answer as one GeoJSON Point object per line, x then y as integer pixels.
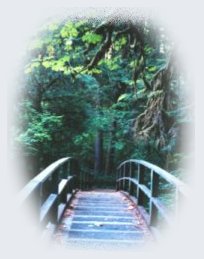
{"type": "Point", "coordinates": [120, 43]}
{"type": "Point", "coordinates": [122, 97]}
{"type": "Point", "coordinates": [69, 30]}
{"type": "Point", "coordinates": [91, 37]}
{"type": "Point", "coordinates": [131, 207]}
{"type": "Point", "coordinates": [152, 69]}
{"type": "Point", "coordinates": [98, 224]}
{"type": "Point", "coordinates": [141, 94]}
{"type": "Point", "coordinates": [119, 145]}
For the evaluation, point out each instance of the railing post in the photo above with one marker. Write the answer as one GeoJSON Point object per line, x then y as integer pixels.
{"type": "Point", "coordinates": [117, 177]}
{"type": "Point", "coordinates": [120, 175]}
{"type": "Point", "coordinates": [130, 175]}
{"type": "Point", "coordinates": [135, 176]}
{"type": "Point", "coordinates": [69, 173]}
{"type": "Point", "coordinates": [65, 170]}
{"type": "Point", "coordinates": [124, 172]}
{"type": "Point", "coordinates": [82, 180]}
{"type": "Point", "coordinates": [54, 211]}
{"type": "Point", "coordinates": [154, 193]}
{"type": "Point", "coordinates": [63, 197]}
{"type": "Point", "coordinates": [68, 167]}
{"type": "Point", "coordinates": [37, 202]}
{"type": "Point", "coordinates": [141, 174]}
{"type": "Point", "coordinates": [76, 180]}
{"type": "Point", "coordinates": [147, 194]}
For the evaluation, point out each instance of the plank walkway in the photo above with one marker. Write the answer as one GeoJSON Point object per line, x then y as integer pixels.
{"type": "Point", "coordinates": [102, 219]}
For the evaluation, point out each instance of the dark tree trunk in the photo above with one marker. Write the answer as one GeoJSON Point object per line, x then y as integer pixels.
{"type": "Point", "coordinates": [98, 161]}
{"type": "Point", "coordinates": [40, 90]}
{"type": "Point", "coordinates": [109, 167]}
{"type": "Point", "coordinates": [37, 100]}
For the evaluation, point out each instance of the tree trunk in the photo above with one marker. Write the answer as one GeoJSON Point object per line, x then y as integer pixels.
{"type": "Point", "coordinates": [37, 100]}
{"type": "Point", "coordinates": [98, 161]}
{"type": "Point", "coordinates": [109, 167]}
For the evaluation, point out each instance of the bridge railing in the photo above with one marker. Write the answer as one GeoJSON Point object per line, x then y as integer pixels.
{"type": "Point", "coordinates": [49, 192]}
{"type": "Point", "coordinates": [141, 180]}
{"type": "Point", "coordinates": [86, 180]}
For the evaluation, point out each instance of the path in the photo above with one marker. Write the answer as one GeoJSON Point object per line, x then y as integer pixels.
{"type": "Point", "coordinates": [102, 219]}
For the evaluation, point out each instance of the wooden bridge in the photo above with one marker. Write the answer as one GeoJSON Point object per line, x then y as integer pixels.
{"type": "Point", "coordinates": [128, 216]}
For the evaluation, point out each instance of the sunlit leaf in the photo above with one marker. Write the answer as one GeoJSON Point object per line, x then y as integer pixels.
{"type": "Point", "coordinates": [91, 37]}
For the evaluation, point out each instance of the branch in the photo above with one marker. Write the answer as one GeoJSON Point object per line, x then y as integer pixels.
{"type": "Point", "coordinates": [47, 86]}
{"type": "Point", "coordinates": [101, 28]}
{"type": "Point", "coordinates": [101, 53]}
{"type": "Point", "coordinates": [36, 81]}
{"type": "Point", "coordinates": [146, 82]}
{"type": "Point", "coordinates": [139, 67]}
{"type": "Point", "coordinates": [124, 31]}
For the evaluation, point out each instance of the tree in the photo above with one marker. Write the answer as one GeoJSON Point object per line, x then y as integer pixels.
{"type": "Point", "coordinates": [104, 91]}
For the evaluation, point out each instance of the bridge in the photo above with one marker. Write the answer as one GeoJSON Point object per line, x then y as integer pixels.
{"type": "Point", "coordinates": [75, 214]}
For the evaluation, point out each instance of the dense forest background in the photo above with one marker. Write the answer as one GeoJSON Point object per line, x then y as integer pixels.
{"type": "Point", "coordinates": [103, 91]}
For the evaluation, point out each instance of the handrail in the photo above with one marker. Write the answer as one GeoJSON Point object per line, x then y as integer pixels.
{"type": "Point", "coordinates": [41, 177]}
{"type": "Point", "coordinates": [127, 181]}
{"type": "Point", "coordinates": [161, 172]}
{"type": "Point", "coordinates": [51, 190]}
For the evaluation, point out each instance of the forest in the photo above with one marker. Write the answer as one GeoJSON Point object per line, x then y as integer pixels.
{"type": "Point", "coordinates": [103, 91]}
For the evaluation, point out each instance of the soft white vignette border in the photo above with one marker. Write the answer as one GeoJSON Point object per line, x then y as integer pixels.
{"type": "Point", "coordinates": [18, 22]}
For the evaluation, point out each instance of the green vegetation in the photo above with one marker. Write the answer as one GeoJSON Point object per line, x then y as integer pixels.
{"type": "Point", "coordinates": [102, 91]}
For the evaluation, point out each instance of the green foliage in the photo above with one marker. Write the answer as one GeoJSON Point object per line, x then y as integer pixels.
{"type": "Point", "coordinates": [69, 103]}
{"type": "Point", "coordinates": [69, 30]}
{"type": "Point", "coordinates": [125, 97]}
{"type": "Point", "coordinates": [91, 37]}
{"type": "Point", "coordinates": [39, 130]}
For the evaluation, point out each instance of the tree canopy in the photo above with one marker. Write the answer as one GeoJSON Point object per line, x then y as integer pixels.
{"type": "Point", "coordinates": [102, 90]}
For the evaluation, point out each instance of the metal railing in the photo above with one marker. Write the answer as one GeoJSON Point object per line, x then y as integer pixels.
{"type": "Point", "coordinates": [141, 180]}
{"type": "Point", "coordinates": [51, 190]}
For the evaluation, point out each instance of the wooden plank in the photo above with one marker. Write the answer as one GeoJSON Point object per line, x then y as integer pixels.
{"type": "Point", "coordinates": [50, 169]}
{"type": "Point", "coordinates": [47, 205]}
{"type": "Point", "coordinates": [164, 174]}
{"type": "Point", "coordinates": [154, 193]}
{"type": "Point", "coordinates": [124, 176]}
{"type": "Point", "coordinates": [141, 186]}
{"type": "Point", "coordinates": [27, 191]}
{"type": "Point", "coordinates": [145, 190]}
{"type": "Point", "coordinates": [63, 206]}
{"type": "Point", "coordinates": [61, 209]}
{"type": "Point", "coordinates": [129, 179]}
{"type": "Point", "coordinates": [40, 178]}
{"type": "Point", "coordinates": [154, 200]}
{"type": "Point", "coordinates": [62, 185]}
{"type": "Point", "coordinates": [130, 183]}
{"type": "Point", "coordinates": [141, 192]}
{"type": "Point", "coordinates": [144, 214]}
{"type": "Point", "coordinates": [162, 210]}
{"type": "Point", "coordinates": [109, 227]}
{"type": "Point", "coordinates": [154, 184]}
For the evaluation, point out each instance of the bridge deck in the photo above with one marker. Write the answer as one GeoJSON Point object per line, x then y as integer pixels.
{"type": "Point", "coordinates": [102, 219]}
